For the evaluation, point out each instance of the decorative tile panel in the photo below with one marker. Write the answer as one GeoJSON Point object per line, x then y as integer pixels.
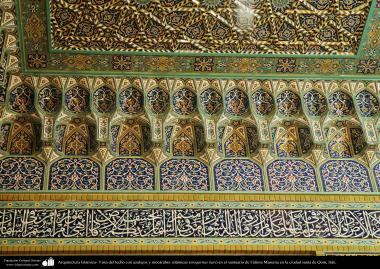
{"type": "Point", "coordinates": [20, 137]}
{"type": "Point", "coordinates": [185, 138]}
{"type": "Point", "coordinates": [130, 174]}
{"type": "Point", "coordinates": [4, 134]}
{"type": "Point", "coordinates": [168, 133]}
{"type": "Point", "coordinates": [287, 145]}
{"type": "Point", "coordinates": [103, 128]}
{"type": "Point", "coordinates": [368, 104]}
{"type": "Point", "coordinates": [3, 93]}
{"type": "Point", "coordinates": [21, 99]}
{"type": "Point", "coordinates": [376, 171]}
{"type": "Point", "coordinates": [291, 176]}
{"type": "Point", "coordinates": [104, 100]}
{"type": "Point", "coordinates": [21, 173]}
{"type": "Point", "coordinates": [345, 176]}
{"type": "Point", "coordinates": [158, 101]}
{"type": "Point", "coordinates": [184, 102]}
{"type": "Point", "coordinates": [237, 102]}
{"type": "Point", "coordinates": [238, 175]}
{"type": "Point", "coordinates": [288, 103]}
{"type": "Point", "coordinates": [75, 138]}
{"type": "Point", "coordinates": [77, 100]}
{"type": "Point", "coordinates": [315, 103]}
{"type": "Point", "coordinates": [211, 101]}
{"type": "Point", "coordinates": [263, 102]}
{"type": "Point", "coordinates": [184, 175]}
{"type": "Point", "coordinates": [341, 104]}
{"type": "Point", "coordinates": [235, 146]}
{"type": "Point", "coordinates": [74, 174]}
{"type": "Point", "coordinates": [131, 101]}
{"type": "Point", "coordinates": [130, 138]}
{"type": "Point", "coordinates": [49, 99]}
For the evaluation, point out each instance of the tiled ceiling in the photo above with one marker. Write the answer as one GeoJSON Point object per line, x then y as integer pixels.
{"type": "Point", "coordinates": [250, 26]}
{"type": "Point", "coordinates": [248, 38]}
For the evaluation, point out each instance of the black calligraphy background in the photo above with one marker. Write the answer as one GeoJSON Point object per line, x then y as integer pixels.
{"type": "Point", "coordinates": [180, 223]}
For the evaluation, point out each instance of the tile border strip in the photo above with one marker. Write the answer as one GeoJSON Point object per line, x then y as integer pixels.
{"type": "Point", "coordinates": [300, 197]}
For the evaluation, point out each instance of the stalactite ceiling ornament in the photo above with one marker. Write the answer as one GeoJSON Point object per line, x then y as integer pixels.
{"type": "Point", "coordinates": [203, 108]}
{"type": "Point", "coordinates": [193, 123]}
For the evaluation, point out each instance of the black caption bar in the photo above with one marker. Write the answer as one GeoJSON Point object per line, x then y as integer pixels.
{"type": "Point", "coordinates": [70, 261]}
